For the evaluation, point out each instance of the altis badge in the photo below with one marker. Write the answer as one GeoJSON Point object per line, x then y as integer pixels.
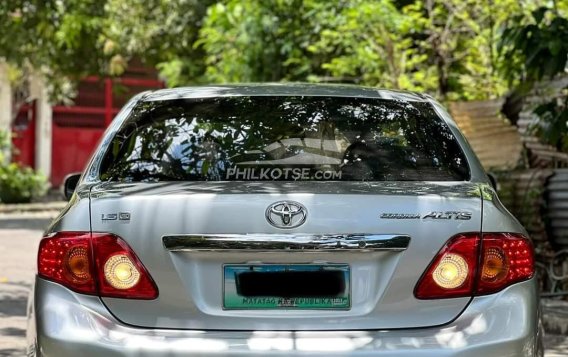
{"type": "Point", "coordinates": [434, 215]}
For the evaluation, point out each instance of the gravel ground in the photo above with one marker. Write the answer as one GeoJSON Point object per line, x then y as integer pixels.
{"type": "Point", "coordinates": [18, 248]}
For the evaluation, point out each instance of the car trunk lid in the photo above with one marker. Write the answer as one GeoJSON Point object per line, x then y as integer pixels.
{"type": "Point", "coordinates": [343, 222]}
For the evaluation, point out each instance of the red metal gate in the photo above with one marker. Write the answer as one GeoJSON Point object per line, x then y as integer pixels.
{"type": "Point", "coordinates": [77, 129]}
{"type": "Point", "coordinates": [23, 135]}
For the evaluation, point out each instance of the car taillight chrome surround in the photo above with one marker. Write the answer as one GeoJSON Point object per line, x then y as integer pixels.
{"type": "Point", "coordinates": [473, 264]}
{"type": "Point", "coordinates": [96, 264]}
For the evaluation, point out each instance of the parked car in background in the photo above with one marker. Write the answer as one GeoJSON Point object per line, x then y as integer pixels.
{"type": "Point", "coordinates": [284, 219]}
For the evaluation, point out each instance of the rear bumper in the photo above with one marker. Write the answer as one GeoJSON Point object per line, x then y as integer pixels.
{"type": "Point", "coordinates": [62, 323]}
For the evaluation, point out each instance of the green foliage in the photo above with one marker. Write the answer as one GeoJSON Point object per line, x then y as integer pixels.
{"type": "Point", "coordinates": [459, 38]}
{"type": "Point", "coordinates": [18, 184]}
{"type": "Point", "coordinates": [59, 39]}
{"type": "Point", "coordinates": [160, 33]}
{"type": "Point", "coordinates": [538, 47]}
{"type": "Point", "coordinates": [444, 47]}
{"type": "Point", "coordinates": [252, 41]}
{"type": "Point", "coordinates": [4, 146]}
{"type": "Point", "coordinates": [552, 126]}
{"type": "Point", "coordinates": [367, 42]}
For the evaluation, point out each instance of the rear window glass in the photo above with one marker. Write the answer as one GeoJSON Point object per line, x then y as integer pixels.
{"type": "Point", "coordinates": [297, 138]}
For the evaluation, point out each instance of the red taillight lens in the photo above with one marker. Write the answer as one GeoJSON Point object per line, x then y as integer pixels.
{"type": "Point", "coordinates": [65, 258]}
{"type": "Point", "coordinates": [451, 273]}
{"type": "Point", "coordinates": [120, 272]}
{"type": "Point", "coordinates": [97, 264]}
{"type": "Point", "coordinates": [506, 259]}
{"type": "Point", "coordinates": [503, 259]}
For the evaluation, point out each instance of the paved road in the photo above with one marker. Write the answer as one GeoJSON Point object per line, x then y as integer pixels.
{"type": "Point", "coordinates": [17, 264]}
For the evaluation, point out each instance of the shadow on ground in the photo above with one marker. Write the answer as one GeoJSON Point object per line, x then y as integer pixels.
{"type": "Point", "coordinates": [13, 300]}
{"type": "Point", "coordinates": [12, 331]}
{"type": "Point", "coordinates": [10, 352]}
{"type": "Point", "coordinates": [13, 306]}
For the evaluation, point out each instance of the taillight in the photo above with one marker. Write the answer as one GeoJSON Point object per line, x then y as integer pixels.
{"type": "Point", "coordinates": [120, 272]}
{"type": "Point", "coordinates": [452, 272]}
{"type": "Point", "coordinates": [506, 259]}
{"type": "Point", "coordinates": [96, 264]}
{"type": "Point", "coordinates": [66, 258]}
{"type": "Point", "coordinates": [470, 265]}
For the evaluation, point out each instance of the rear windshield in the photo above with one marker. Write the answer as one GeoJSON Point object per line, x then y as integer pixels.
{"type": "Point", "coordinates": [296, 138]}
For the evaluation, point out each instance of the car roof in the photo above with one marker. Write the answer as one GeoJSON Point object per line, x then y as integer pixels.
{"type": "Point", "coordinates": [282, 89]}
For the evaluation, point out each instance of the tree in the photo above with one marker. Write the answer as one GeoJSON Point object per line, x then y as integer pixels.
{"type": "Point", "coordinates": [369, 42]}
{"type": "Point", "coordinates": [60, 39]}
{"type": "Point", "coordinates": [459, 37]}
{"type": "Point", "coordinates": [539, 43]}
{"type": "Point", "coordinates": [161, 33]}
{"type": "Point", "coordinates": [539, 46]}
{"type": "Point", "coordinates": [254, 41]}
{"type": "Point", "coordinates": [444, 47]}
{"type": "Point", "coordinates": [447, 48]}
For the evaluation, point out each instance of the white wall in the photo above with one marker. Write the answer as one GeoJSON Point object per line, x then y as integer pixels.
{"type": "Point", "coordinates": [43, 133]}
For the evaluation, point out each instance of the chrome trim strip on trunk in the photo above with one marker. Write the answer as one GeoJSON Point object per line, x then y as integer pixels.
{"type": "Point", "coordinates": [286, 242]}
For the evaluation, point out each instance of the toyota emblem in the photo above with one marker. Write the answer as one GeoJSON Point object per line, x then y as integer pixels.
{"type": "Point", "coordinates": [286, 214]}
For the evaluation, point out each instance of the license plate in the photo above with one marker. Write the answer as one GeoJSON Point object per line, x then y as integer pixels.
{"type": "Point", "coordinates": [290, 286]}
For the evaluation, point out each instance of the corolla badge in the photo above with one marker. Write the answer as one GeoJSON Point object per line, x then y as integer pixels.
{"type": "Point", "coordinates": [286, 214]}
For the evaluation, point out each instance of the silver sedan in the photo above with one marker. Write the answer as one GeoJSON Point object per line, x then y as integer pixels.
{"type": "Point", "coordinates": [289, 220]}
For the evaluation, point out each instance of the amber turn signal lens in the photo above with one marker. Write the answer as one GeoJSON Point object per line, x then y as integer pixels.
{"type": "Point", "coordinates": [495, 265]}
{"type": "Point", "coordinates": [77, 264]}
{"type": "Point", "coordinates": [451, 271]}
{"type": "Point", "coordinates": [120, 272]}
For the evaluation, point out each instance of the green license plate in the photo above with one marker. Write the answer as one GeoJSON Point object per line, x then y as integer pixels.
{"type": "Point", "coordinates": [291, 286]}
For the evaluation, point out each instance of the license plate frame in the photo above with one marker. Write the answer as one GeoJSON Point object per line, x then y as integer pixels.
{"type": "Point", "coordinates": [233, 301]}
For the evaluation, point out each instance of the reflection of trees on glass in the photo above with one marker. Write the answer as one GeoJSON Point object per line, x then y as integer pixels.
{"type": "Point", "coordinates": [364, 139]}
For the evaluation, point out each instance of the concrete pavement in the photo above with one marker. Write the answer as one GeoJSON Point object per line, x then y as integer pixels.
{"type": "Point", "coordinates": [19, 239]}
{"type": "Point", "coordinates": [17, 267]}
